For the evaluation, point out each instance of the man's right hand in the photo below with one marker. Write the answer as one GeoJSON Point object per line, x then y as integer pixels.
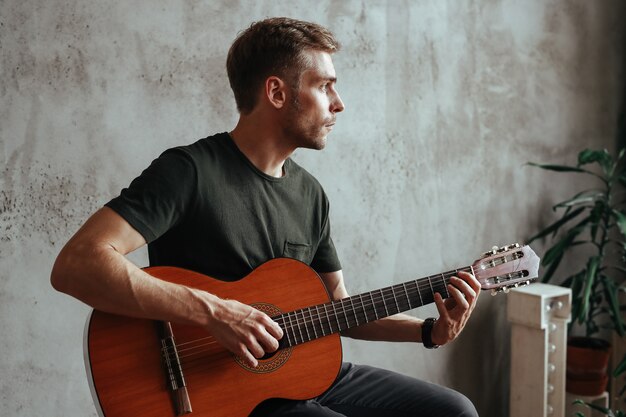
{"type": "Point", "coordinates": [93, 268]}
{"type": "Point", "coordinates": [244, 330]}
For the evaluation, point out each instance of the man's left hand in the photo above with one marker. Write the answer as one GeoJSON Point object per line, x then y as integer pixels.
{"type": "Point", "coordinates": [456, 309]}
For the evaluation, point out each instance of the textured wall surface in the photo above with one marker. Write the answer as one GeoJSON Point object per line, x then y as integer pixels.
{"type": "Point", "coordinates": [445, 102]}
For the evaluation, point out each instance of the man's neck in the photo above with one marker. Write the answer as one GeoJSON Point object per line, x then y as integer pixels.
{"type": "Point", "coordinates": [264, 147]}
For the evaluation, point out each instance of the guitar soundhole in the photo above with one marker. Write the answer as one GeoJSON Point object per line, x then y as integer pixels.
{"type": "Point", "coordinates": [273, 360]}
{"type": "Point", "coordinates": [268, 356]}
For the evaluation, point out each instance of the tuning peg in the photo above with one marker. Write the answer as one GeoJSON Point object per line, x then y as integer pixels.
{"type": "Point", "coordinates": [496, 250]}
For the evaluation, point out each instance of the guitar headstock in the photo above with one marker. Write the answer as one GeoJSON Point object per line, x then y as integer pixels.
{"type": "Point", "coordinates": [507, 267]}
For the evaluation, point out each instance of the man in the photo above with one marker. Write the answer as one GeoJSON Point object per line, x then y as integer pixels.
{"type": "Point", "coordinates": [227, 203]}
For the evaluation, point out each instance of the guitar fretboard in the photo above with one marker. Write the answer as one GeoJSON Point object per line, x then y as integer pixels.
{"type": "Point", "coordinates": [306, 324]}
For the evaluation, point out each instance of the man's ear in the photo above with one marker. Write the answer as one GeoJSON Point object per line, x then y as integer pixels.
{"type": "Point", "coordinates": [276, 91]}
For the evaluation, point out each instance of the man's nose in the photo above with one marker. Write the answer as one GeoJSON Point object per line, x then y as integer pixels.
{"type": "Point", "coordinates": [337, 104]}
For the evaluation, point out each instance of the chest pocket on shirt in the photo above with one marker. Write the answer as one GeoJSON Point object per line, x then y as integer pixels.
{"type": "Point", "coordinates": [299, 251]}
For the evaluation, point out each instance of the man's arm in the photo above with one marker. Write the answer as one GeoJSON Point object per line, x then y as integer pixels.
{"type": "Point", "coordinates": [453, 313]}
{"type": "Point", "coordinates": [92, 267]}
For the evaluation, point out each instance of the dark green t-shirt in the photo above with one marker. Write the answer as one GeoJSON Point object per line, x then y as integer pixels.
{"type": "Point", "coordinates": [207, 208]}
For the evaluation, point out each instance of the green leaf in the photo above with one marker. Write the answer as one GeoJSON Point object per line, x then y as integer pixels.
{"type": "Point", "coordinates": [620, 368]}
{"type": "Point", "coordinates": [604, 410]}
{"type": "Point", "coordinates": [576, 286]}
{"type": "Point", "coordinates": [590, 277]}
{"type": "Point", "coordinates": [620, 219]}
{"type": "Point", "coordinates": [580, 198]}
{"type": "Point", "coordinates": [556, 225]}
{"type": "Point", "coordinates": [565, 243]}
{"type": "Point", "coordinates": [610, 293]}
{"type": "Point", "coordinates": [559, 168]}
{"type": "Point", "coordinates": [596, 218]}
{"type": "Point", "coordinates": [592, 406]}
{"type": "Point", "coordinates": [603, 157]}
{"type": "Point", "coordinates": [549, 272]}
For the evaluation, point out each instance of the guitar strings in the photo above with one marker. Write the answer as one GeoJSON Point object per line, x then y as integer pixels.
{"type": "Point", "coordinates": [192, 366]}
{"type": "Point", "coordinates": [338, 316]}
{"type": "Point", "coordinates": [338, 307]}
{"type": "Point", "coordinates": [381, 295]}
{"type": "Point", "coordinates": [206, 359]}
{"type": "Point", "coordinates": [341, 304]}
{"type": "Point", "coordinates": [420, 283]}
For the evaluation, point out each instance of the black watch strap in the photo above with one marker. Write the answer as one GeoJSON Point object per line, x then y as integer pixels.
{"type": "Point", "coordinates": [427, 330]}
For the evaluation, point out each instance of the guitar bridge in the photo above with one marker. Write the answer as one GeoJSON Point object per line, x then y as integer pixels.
{"type": "Point", "coordinates": [174, 371]}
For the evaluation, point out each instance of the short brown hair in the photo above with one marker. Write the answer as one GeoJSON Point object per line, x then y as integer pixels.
{"type": "Point", "coordinates": [272, 47]}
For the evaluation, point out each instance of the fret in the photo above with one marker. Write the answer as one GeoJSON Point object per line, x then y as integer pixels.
{"type": "Point", "coordinates": [330, 325]}
{"type": "Point", "coordinates": [312, 322]}
{"type": "Point", "coordinates": [374, 305]}
{"type": "Point", "coordinates": [408, 299]}
{"type": "Point", "coordinates": [295, 336]}
{"type": "Point", "coordinates": [393, 294]}
{"type": "Point", "coordinates": [343, 309]}
{"type": "Point", "coordinates": [356, 317]}
{"type": "Point", "coordinates": [336, 316]}
{"type": "Point", "coordinates": [328, 320]}
{"type": "Point", "coordinates": [384, 303]}
{"type": "Point", "coordinates": [306, 327]}
{"type": "Point", "coordinates": [308, 324]}
{"type": "Point", "coordinates": [364, 309]}
{"type": "Point", "coordinates": [361, 309]}
{"type": "Point", "coordinates": [445, 283]}
{"type": "Point", "coordinates": [317, 311]}
{"type": "Point", "coordinates": [298, 327]}
{"type": "Point", "coordinates": [417, 287]}
{"type": "Point", "coordinates": [431, 286]}
{"type": "Point", "coordinates": [405, 301]}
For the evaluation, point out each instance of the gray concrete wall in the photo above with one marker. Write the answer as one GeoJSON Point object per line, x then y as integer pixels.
{"type": "Point", "coordinates": [446, 101]}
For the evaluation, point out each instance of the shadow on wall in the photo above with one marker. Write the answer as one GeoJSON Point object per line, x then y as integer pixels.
{"type": "Point", "coordinates": [489, 354]}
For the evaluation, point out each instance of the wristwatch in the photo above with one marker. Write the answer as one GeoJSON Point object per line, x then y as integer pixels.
{"type": "Point", "coordinates": [427, 329]}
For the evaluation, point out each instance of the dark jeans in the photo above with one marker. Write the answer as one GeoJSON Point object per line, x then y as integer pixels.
{"type": "Point", "coordinates": [364, 391]}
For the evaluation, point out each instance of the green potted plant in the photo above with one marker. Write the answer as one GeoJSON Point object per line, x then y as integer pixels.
{"type": "Point", "coordinates": [619, 370]}
{"type": "Point", "coordinates": [592, 225]}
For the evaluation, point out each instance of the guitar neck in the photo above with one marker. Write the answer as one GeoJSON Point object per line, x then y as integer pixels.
{"type": "Point", "coordinates": [306, 324]}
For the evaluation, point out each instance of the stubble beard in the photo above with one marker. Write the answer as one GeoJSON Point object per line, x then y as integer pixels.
{"type": "Point", "coordinates": [303, 135]}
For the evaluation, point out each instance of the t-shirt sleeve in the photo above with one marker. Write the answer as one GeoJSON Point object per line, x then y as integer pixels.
{"type": "Point", "coordinates": [157, 199]}
{"type": "Point", "coordinates": [326, 258]}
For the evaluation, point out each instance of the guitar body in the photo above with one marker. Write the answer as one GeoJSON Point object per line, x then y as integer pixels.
{"type": "Point", "coordinates": [125, 364]}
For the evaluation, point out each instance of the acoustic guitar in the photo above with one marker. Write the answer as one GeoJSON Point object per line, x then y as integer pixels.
{"type": "Point", "coordinates": [145, 368]}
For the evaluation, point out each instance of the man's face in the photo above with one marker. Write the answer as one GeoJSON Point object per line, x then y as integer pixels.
{"type": "Point", "coordinates": [313, 107]}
